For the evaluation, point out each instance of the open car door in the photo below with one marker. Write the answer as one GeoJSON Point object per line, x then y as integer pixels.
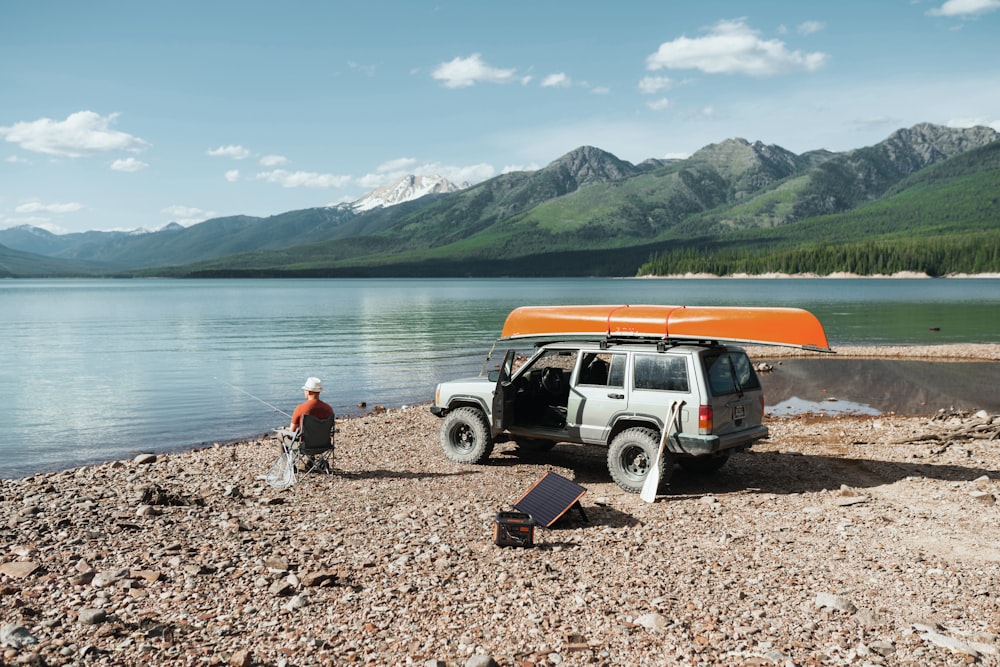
{"type": "Point", "coordinates": [503, 394]}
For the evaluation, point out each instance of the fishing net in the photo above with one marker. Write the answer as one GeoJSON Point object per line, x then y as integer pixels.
{"type": "Point", "coordinates": [282, 472]}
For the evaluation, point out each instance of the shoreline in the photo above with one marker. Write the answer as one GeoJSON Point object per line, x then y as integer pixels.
{"type": "Point", "coordinates": [839, 275]}
{"type": "Point", "coordinates": [943, 353]}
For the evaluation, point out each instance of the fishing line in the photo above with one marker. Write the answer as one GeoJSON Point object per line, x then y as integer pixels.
{"type": "Point", "coordinates": [244, 391]}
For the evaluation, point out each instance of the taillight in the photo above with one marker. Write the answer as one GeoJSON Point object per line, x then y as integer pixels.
{"type": "Point", "coordinates": [762, 405]}
{"type": "Point", "coordinates": [705, 417]}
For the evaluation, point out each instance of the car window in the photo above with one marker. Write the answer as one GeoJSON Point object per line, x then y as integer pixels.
{"type": "Point", "coordinates": [603, 369]}
{"type": "Point", "coordinates": [659, 371]}
{"type": "Point", "coordinates": [729, 373]}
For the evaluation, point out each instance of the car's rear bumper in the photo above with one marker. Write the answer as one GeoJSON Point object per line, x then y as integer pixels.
{"type": "Point", "coordinates": [704, 445]}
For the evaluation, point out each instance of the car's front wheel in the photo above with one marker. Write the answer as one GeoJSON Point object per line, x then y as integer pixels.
{"type": "Point", "coordinates": [465, 436]}
{"type": "Point", "coordinates": [632, 456]}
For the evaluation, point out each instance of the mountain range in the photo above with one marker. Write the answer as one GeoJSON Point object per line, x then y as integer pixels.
{"type": "Point", "coordinates": [591, 213]}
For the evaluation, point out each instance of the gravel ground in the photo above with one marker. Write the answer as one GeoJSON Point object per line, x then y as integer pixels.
{"type": "Point", "coordinates": [837, 541]}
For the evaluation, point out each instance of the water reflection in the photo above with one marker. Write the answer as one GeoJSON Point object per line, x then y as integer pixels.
{"type": "Point", "coordinates": [798, 406]}
{"type": "Point", "coordinates": [833, 385]}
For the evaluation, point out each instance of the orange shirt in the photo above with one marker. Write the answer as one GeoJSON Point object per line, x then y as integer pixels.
{"type": "Point", "coordinates": [314, 407]}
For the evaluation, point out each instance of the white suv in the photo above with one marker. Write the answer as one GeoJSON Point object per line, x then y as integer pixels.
{"type": "Point", "coordinates": [616, 394]}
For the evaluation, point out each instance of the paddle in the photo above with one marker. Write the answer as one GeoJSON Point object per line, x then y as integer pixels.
{"type": "Point", "coordinates": [652, 482]}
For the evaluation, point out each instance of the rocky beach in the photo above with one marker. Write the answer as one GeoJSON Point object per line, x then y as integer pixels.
{"type": "Point", "coordinates": [839, 540]}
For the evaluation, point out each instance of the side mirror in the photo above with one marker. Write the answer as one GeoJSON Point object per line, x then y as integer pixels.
{"type": "Point", "coordinates": [494, 375]}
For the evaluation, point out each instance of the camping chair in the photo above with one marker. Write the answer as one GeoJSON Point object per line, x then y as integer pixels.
{"type": "Point", "coordinates": [307, 449]}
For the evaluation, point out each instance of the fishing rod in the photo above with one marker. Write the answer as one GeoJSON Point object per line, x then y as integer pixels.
{"type": "Point", "coordinates": [244, 391]}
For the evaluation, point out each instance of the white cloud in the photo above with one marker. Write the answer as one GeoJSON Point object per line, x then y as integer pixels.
{"type": "Point", "coordinates": [659, 105]}
{"type": "Point", "coordinates": [367, 70]}
{"type": "Point", "coordinates": [232, 175]}
{"type": "Point", "coordinates": [965, 7]}
{"type": "Point", "coordinates": [559, 80]}
{"type": "Point", "coordinates": [973, 122]}
{"type": "Point", "coordinates": [392, 171]}
{"type": "Point", "coordinates": [273, 160]}
{"type": "Point", "coordinates": [513, 168]}
{"type": "Point", "coordinates": [302, 179]}
{"type": "Point", "coordinates": [650, 85]}
{"type": "Point", "coordinates": [235, 152]}
{"type": "Point", "coordinates": [809, 27]}
{"type": "Point", "coordinates": [600, 90]}
{"type": "Point", "coordinates": [465, 72]}
{"type": "Point", "coordinates": [399, 164]}
{"type": "Point", "coordinates": [38, 207]}
{"type": "Point", "coordinates": [129, 165]}
{"type": "Point", "coordinates": [732, 47]}
{"type": "Point", "coordinates": [187, 215]}
{"type": "Point", "coordinates": [82, 133]}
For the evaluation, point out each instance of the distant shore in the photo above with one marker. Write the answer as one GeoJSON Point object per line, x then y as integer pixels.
{"type": "Point", "coordinates": [938, 352]}
{"type": "Point", "coordinates": [838, 274]}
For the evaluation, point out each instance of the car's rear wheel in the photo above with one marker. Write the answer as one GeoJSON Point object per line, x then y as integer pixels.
{"type": "Point", "coordinates": [465, 436]}
{"type": "Point", "coordinates": [632, 456]}
{"type": "Point", "coordinates": [704, 465]}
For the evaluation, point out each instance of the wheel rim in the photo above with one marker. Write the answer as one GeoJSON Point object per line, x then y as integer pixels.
{"type": "Point", "coordinates": [634, 461]}
{"type": "Point", "coordinates": [462, 438]}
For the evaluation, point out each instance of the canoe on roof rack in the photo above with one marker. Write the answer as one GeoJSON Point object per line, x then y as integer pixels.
{"type": "Point", "coordinates": [791, 327]}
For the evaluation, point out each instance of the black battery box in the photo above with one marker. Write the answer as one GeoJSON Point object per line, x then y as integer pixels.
{"type": "Point", "coordinates": [514, 529]}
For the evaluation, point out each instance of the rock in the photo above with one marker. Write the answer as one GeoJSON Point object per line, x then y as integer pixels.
{"type": "Point", "coordinates": [951, 643]}
{"type": "Point", "coordinates": [108, 578]}
{"type": "Point", "coordinates": [19, 569]}
{"type": "Point", "coordinates": [835, 602]}
{"type": "Point", "coordinates": [144, 459]}
{"type": "Point", "coordinates": [241, 658]}
{"type": "Point", "coordinates": [16, 636]}
{"type": "Point", "coordinates": [882, 648]}
{"type": "Point", "coordinates": [984, 497]}
{"type": "Point", "coordinates": [92, 616]}
{"type": "Point", "coordinates": [276, 564]}
{"type": "Point", "coordinates": [297, 602]}
{"type": "Point", "coordinates": [652, 621]}
{"type": "Point", "coordinates": [280, 588]}
{"type": "Point", "coordinates": [325, 578]}
{"type": "Point", "coordinates": [481, 661]}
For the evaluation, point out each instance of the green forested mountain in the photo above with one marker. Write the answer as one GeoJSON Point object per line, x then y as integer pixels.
{"type": "Point", "coordinates": [925, 199]}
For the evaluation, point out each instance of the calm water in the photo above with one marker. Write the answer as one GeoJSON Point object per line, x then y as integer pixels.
{"type": "Point", "coordinates": [95, 370]}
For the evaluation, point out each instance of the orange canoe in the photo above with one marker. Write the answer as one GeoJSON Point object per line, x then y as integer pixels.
{"type": "Point", "coordinates": [792, 327]}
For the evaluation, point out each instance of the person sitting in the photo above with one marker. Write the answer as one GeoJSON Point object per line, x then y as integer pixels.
{"type": "Point", "coordinates": [312, 405]}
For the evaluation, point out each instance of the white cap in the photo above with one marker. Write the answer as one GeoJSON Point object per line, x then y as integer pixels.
{"type": "Point", "coordinates": [314, 385]}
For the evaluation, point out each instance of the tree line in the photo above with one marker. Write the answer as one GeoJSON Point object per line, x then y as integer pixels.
{"type": "Point", "coordinates": [978, 253]}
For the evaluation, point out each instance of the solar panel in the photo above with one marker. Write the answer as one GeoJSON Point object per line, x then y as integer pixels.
{"type": "Point", "coordinates": [549, 498]}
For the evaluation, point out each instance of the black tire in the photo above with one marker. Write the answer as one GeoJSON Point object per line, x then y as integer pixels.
{"type": "Point", "coordinates": [465, 436]}
{"type": "Point", "coordinates": [532, 446]}
{"type": "Point", "coordinates": [631, 457]}
{"type": "Point", "coordinates": [704, 465]}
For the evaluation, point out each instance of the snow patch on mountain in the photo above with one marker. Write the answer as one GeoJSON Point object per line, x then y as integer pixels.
{"type": "Point", "coordinates": [405, 189]}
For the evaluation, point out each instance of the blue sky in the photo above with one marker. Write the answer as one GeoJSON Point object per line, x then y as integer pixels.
{"type": "Point", "coordinates": [125, 115]}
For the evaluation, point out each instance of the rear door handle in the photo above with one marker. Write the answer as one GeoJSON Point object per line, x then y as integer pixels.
{"type": "Point", "coordinates": [616, 395]}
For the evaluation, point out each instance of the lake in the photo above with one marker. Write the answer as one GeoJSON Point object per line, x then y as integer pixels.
{"type": "Point", "coordinates": [96, 370]}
